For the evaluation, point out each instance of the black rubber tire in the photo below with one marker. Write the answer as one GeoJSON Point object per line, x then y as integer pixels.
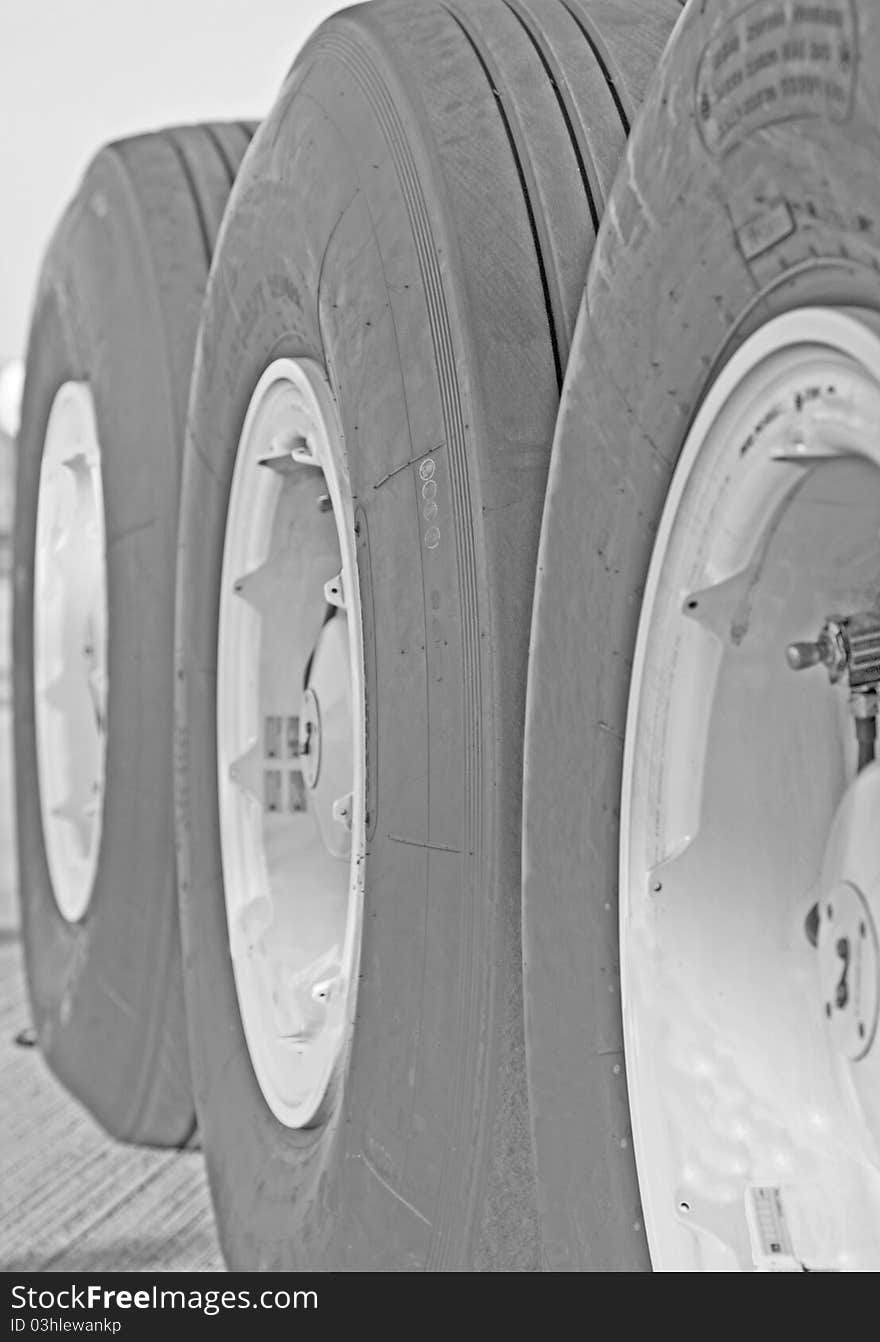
{"type": "Point", "coordinates": [715, 226]}
{"type": "Point", "coordinates": [415, 214]}
{"type": "Point", "coordinates": [118, 305]}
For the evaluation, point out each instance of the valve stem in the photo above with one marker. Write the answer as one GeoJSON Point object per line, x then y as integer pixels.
{"type": "Point", "coordinates": [864, 709]}
{"type": "Point", "coordinates": [849, 645]}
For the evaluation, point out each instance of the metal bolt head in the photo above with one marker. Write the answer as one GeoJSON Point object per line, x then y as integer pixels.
{"type": "Point", "coordinates": [342, 810]}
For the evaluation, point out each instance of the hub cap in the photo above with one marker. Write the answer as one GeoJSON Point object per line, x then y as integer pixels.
{"type": "Point", "coordinates": [290, 720]}
{"type": "Point", "coordinates": [752, 1063]}
{"type": "Point", "coordinates": [70, 647]}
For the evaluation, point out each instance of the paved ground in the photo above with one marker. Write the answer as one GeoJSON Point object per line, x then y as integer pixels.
{"type": "Point", "coordinates": [71, 1199]}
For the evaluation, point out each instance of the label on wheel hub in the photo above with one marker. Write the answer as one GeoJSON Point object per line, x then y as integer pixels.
{"type": "Point", "coordinates": [772, 1249]}
{"type": "Point", "coordinates": [777, 60]}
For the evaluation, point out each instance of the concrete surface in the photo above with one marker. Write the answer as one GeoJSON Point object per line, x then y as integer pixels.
{"type": "Point", "coordinates": [70, 1199]}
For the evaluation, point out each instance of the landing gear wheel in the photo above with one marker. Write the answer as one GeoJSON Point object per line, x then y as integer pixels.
{"type": "Point", "coordinates": [389, 318]}
{"type": "Point", "coordinates": [290, 732]}
{"type": "Point", "coordinates": [753, 1088]}
{"type": "Point", "coordinates": [99, 450]}
{"type": "Point", "coordinates": [700, 853]}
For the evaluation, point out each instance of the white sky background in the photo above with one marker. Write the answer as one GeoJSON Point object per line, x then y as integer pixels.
{"type": "Point", "coordinates": [76, 73]}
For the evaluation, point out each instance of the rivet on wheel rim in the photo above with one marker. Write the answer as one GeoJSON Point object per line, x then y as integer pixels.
{"type": "Point", "coordinates": [750, 857]}
{"type": "Point", "coordinates": [290, 719]}
{"type": "Point", "coordinates": [70, 647]}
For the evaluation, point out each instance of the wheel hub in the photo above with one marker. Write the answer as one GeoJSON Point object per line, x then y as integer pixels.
{"type": "Point", "coordinates": [847, 944]}
{"type": "Point", "coordinates": [327, 743]}
{"type": "Point", "coordinates": [291, 783]}
{"type": "Point", "coordinates": [752, 1068]}
{"type": "Point", "coordinates": [70, 647]}
{"type": "Point", "coordinates": [848, 969]}
{"type": "Point", "coordinates": [310, 738]}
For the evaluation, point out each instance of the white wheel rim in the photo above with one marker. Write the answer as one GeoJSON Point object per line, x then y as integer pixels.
{"type": "Point", "coordinates": [756, 1128]}
{"type": "Point", "coordinates": [290, 734]}
{"type": "Point", "coordinates": [70, 647]}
